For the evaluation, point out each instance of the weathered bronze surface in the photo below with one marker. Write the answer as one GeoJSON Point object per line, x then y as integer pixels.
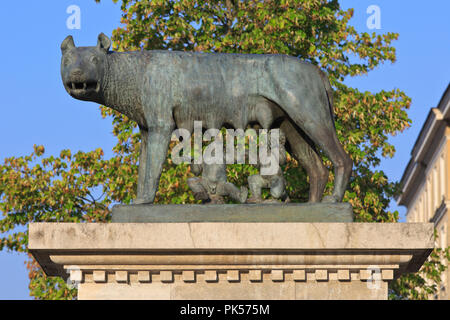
{"type": "Point", "coordinates": [164, 90]}
{"type": "Point", "coordinates": [261, 212]}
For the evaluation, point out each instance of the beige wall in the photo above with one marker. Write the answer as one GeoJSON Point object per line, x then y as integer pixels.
{"type": "Point", "coordinates": [433, 192]}
{"type": "Point", "coordinates": [434, 188]}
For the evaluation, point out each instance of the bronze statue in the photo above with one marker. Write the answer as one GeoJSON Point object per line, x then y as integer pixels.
{"type": "Point", "coordinates": [213, 186]}
{"type": "Point", "coordinates": [164, 90]}
{"type": "Point", "coordinates": [275, 182]}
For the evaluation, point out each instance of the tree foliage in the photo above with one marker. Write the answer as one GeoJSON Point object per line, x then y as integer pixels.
{"type": "Point", "coordinates": [424, 284]}
{"type": "Point", "coordinates": [83, 186]}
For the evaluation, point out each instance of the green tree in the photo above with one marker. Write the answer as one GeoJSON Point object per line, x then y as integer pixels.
{"type": "Point", "coordinates": [425, 283]}
{"type": "Point", "coordinates": [83, 186]}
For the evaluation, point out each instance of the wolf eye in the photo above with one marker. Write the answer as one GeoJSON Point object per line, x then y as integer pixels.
{"type": "Point", "coordinates": [94, 59]}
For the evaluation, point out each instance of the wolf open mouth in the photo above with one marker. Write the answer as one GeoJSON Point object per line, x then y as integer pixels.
{"type": "Point", "coordinates": [83, 86]}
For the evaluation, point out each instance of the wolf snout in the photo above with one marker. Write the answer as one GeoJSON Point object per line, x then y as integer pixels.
{"type": "Point", "coordinates": [78, 81]}
{"type": "Point", "coordinates": [76, 74]}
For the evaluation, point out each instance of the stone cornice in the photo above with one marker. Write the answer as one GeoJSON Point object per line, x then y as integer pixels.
{"type": "Point", "coordinates": [437, 120]}
{"type": "Point", "coordinates": [215, 252]}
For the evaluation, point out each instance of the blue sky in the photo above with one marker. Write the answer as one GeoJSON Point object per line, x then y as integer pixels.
{"type": "Point", "coordinates": [36, 109]}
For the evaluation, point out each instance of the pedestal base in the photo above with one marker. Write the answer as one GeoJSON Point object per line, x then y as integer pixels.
{"type": "Point", "coordinates": [261, 212]}
{"type": "Point", "coordinates": [230, 260]}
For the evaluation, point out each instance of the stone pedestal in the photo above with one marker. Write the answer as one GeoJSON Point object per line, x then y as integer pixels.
{"type": "Point", "coordinates": [230, 260]}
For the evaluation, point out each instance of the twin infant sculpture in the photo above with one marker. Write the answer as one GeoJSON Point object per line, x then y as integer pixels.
{"type": "Point", "coordinates": [212, 186]}
{"type": "Point", "coordinates": [162, 90]}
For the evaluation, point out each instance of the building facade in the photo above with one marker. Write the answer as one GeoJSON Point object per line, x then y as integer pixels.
{"type": "Point", "coordinates": [426, 180]}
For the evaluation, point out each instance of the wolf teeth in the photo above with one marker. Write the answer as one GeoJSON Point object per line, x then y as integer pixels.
{"type": "Point", "coordinates": [83, 85]}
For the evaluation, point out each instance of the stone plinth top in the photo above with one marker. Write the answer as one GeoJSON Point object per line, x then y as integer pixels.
{"type": "Point", "coordinates": [234, 260]}
{"type": "Point", "coordinates": [57, 244]}
{"type": "Point", "coordinates": [207, 235]}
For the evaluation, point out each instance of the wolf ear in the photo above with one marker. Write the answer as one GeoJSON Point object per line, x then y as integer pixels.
{"type": "Point", "coordinates": [67, 44]}
{"type": "Point", "coordinates": [103, 42]}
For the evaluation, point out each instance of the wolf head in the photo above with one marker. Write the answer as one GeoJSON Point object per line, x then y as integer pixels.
{"type": "Point", "coordinates": [83, 68]}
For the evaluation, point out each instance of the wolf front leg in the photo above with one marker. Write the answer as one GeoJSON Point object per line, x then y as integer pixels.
{"type": "Point", "coordinates": [154, 146]}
